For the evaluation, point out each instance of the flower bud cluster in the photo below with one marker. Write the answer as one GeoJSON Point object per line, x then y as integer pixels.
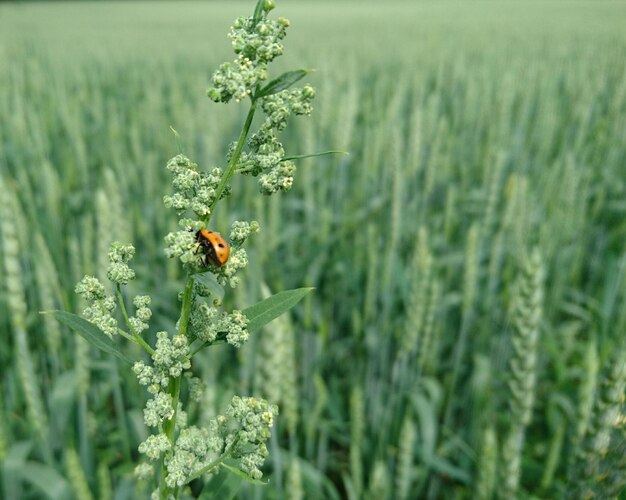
{"type": "Point", "coordinates": [196, 387]}
{"type": "Point", "coordinates": [194, 449]}
{"type": "Point", "coordinates": [144, 471]}
{"type": "Point", "coordinates": [183, 245]}
{"type": "Point", "coordinates": [101, 306]}
{"type": "Point", "coordinates": [278, 107]}
{"type": "Point", "coordinates": [158, 409]}
{"type": "Point", "coordinates": [139, 322]}
{"type": "Point", "coordinates": [241, 434]}
{"type": "Point", "coordinates": [170, 359]}
{"type": "Point", "coordinates": [207, 323]}
{"type": "Point", "coordinates": [154, 446]}
{"type": "Point", "coordinates": [265, 158]}
{"type": "Point", "coordinates": [254, 419]}
{"type": "Point", "coordinates": [240, 231]}
{"type": "Point", "coordinates": [202, 323]}
{"type": "Point", "coordinates": [119, 255]}
{"type": "Point", "coordinates": [226, 274]}
{"type": "Point", "coordinates": [193, 190]}
{"type": "Point", "coordinates": [256, 43]}
{"type": "Point", "coordinates": [236, 80]}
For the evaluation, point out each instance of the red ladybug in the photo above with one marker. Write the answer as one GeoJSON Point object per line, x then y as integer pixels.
{"type": "Point", "coordinates": [215, 248]}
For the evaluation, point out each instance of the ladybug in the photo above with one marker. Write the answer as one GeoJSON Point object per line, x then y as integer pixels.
{"type": "Point", "coordinates": [215, 248]}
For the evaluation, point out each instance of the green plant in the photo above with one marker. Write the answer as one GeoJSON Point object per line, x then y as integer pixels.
{"type": "Point", "coordinates": [495, 118]}
{"type": "Point", "coordinates": [179, 452]}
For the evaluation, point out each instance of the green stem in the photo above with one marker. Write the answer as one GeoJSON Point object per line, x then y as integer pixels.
{"type": "Point", "coordinates": [232, 165]}
{"type": "Point", "coordinates": [185, 312]}
{"type": "Point", "coordinates": [137, 337]}
{"type": "Point", "coordinates": [126, 335]}
{"type": "Point", "coordinates": [174, 385]}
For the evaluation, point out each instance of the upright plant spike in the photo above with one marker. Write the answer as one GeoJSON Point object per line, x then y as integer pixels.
{"type": "Point", "coordinates": [357, 429]}
{"type": "Point", "coordinates": [47, 279]}
{"type": "Point", "coordinates": [404, 465]}
{"type": "Point", "coordinates": [527, 314]}
{"type": "Point", "coordinates": [178, 452]}
{"type": "Point", "coordinates": [16, 299]}
{"type": "Point", "coordinates": [486, 466]}
{"type": "Point", "coordinates": [277, 375]}
{"type": "Point", "coordinates": [600, 464]}
{"type": "Point", "coordinates": [425, 358]}
{"type": "Point", "coordinates": [77, 476]}
{"type": "Point", "coordinates": [294, 487]}
{"type": "Point", "coordinates": [417, 308]}
{"type": "Point", "coordinates": [380, 483]}
{"type": "Point", "coordinates": [584, 407]}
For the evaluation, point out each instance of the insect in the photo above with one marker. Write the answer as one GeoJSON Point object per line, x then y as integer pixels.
{"type": "Point", "coordinates": [215, 248]}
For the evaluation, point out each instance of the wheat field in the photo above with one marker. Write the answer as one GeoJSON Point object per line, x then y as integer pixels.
{"type": "Point", "coordinates": [466, 335]}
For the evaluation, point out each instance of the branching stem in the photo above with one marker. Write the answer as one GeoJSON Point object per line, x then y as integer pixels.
{"type": "Point", "coordinates": [136, 336]}
{"type": "Point", "coordinates": [234, 159]}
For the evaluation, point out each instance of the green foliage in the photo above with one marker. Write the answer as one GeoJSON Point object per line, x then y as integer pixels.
{"type": "Point", "coordinates": [475, 130]}
{"type": "Point", "coordinates": [268, 309]}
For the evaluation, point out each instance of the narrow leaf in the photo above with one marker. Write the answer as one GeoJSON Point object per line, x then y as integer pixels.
{"type": "Point", "coordinates": [209, 281]}
{"type": "Point", "coordinates": [311, 155]}
{"type": "Point", "coordinates": [282, 82]}
{"type": "Point", "coordinates": [46, 479]}
{"type": "Point", "coordinates": [90, 332]}
{"type": "Point", "coordinates": [265, 311]}
{"type": "Point", "coordinates": [448, 469]}
{"type": "Point", "coordinates": [258, 11]}
{"type": "Point", "coordinates": [224, 486]}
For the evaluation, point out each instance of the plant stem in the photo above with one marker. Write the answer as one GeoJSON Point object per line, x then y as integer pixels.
{"type": "Point", "coordinates": [232, 164]}
{"type": "Point", "coordinates": [185, 312]}
{"type": "Point", "coordinates": [137, 337]}
{"type": "Point", "coordinates": [174, 385]}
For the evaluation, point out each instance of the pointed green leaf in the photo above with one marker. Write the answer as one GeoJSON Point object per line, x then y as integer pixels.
{"type": "Point", "coordinates": [208, 280]}
{"type": "Point", "coordinates": [282, 82]}
{"type": "Point", "coordinates": [46, 479]}
{"type": "Point", "coordinates": [90, 332]}
{"type": "Point", "coordinates": [223, 486]}
{"type": "Point", "coordinates": [258, 11]}
{"type": "Point", "coordinates": [265, 311]}
{"type": "Point", "coordinates": [311, 155]}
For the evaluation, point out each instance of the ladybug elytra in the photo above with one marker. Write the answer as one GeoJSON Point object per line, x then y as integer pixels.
{"type": "Point", "coordinates": [215, 248]}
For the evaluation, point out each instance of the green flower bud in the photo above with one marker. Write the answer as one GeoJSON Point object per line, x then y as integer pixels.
{"type": "Point", "coordinates": [214, 94]}
{"type": "Point", "coordinates": [90, 288]}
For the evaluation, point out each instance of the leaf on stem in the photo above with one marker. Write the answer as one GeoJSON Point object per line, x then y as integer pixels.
{"type": "Point", "coordinates": [265, 311]}
{"type": "Point", "coordinates": [208, 280]}
{"type": "Point", "coordinates": [311, 155]}
{"type": "Point", "coordinates": [223, 486]}
{"type": "Point", "coordinates": [282, 82]}
{"type": "Point", "coordinates": [89, 332]}
{"type": "Point", "coordinates": [258, 12]}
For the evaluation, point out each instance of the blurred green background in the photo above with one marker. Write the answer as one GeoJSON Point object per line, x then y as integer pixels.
{"type": "Point", "coordinates": [476, 130]}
